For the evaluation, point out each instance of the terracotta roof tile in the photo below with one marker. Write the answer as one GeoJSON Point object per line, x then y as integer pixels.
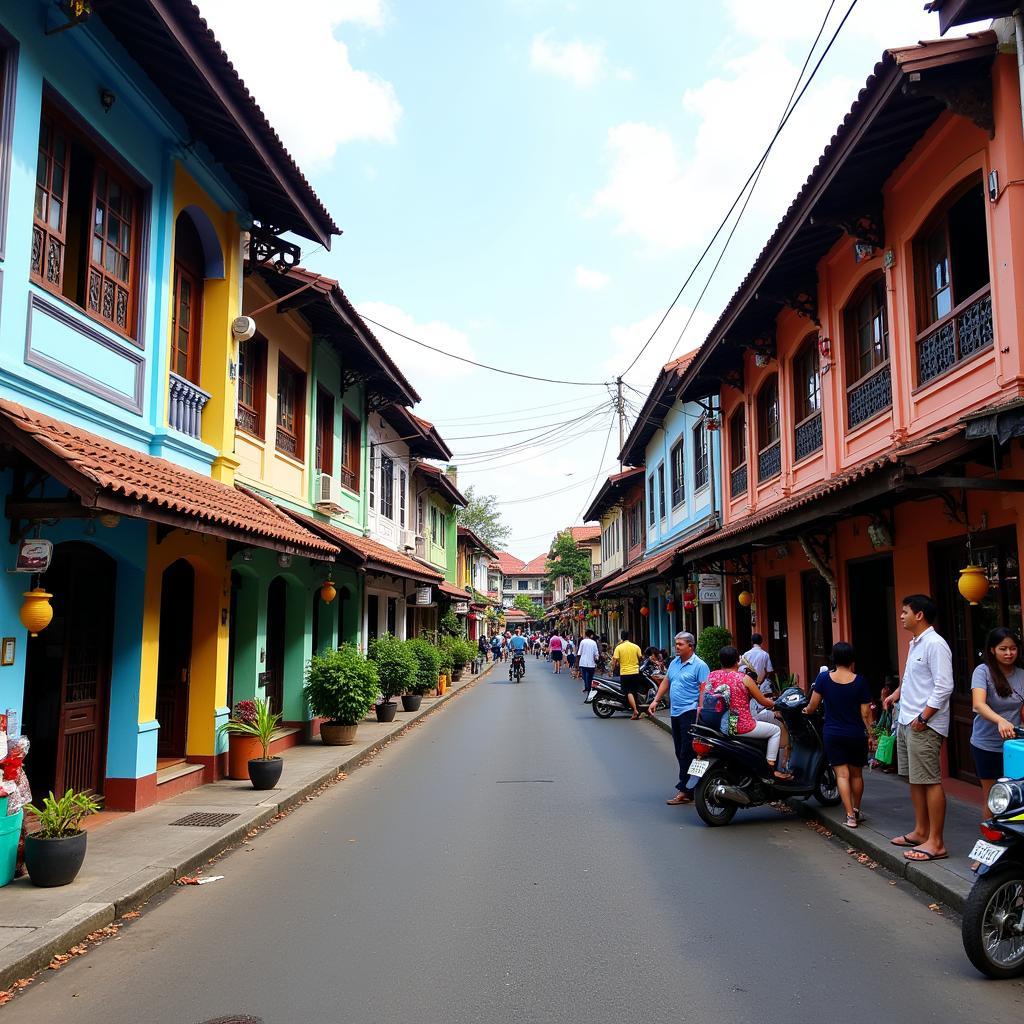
{"type": "Point", "coordinates": [653, 565]}
{"type": "Point", "coordinates": [509, 564]}
{"type": "Point", "coordinates": [96, 466]}
{"type": "Point", "coordinates": [452, 591]}
{"type": "Point", "coordinates": [536, 566]}
{"type": "Point", "coordinates": [582, 534]}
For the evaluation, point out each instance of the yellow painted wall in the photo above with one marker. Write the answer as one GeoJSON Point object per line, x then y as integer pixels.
{"type": "Point", "coordinates": [208, 687]}
{"type": "Point", "coordinates": [220, 307]}
{"type": "Point", "coordinates": [259, 460]}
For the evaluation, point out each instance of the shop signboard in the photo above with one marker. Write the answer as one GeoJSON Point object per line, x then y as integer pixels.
{"type": "Point", "coordinates": [34, 555]}
{"type": "Point", "coordinates": [709, 588]}
{"type": "Point", "coordinates": [461, 607]}
{"type": "Point", "coordinates": [423, 595]}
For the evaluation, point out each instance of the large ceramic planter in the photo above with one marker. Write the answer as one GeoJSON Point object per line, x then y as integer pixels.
{"type": "Point", "coordinates": [242, 750]}
{"type": "Point", "coordinates": [264, 774]}
{"type": "Point", "coordinates": [386, 712]}
{"type": "Point", "coordinates": [52, 862]}
{"type": "Point", "coordinates": [334, 735]}
{"type": "Point", "coordinates": [457, 673]}
{"type": "Point", "coordinates": [411, 701]}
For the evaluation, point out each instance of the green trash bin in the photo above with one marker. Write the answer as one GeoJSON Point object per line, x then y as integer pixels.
{"type": "Point", "coordinates": [10, 834]}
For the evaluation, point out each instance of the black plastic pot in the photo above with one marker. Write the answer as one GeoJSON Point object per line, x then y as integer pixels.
{"type": "Point", "coordinates": [265, 774]}
{"type": "Point", "coordinates": [457, 673]}
{"type": "Point", "coordinates": [386, 712]}
{"type": "Point", "coordinates": [53, 862]}
{"type": "Point", "coordinates": [411, 701]}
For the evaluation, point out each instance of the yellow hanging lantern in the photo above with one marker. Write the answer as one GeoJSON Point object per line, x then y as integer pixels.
{"type": "Point", "coordinates": [744, 598]}
{"type": "Point", "coordinates": [328, 592]}
{"type": "Point", "coordinates": [973, 584]}
{"type": "Point", "coordinates": [35, 612]}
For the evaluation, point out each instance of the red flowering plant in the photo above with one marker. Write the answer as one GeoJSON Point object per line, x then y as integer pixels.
{"type": "Point", "coordinates": [245, 712]}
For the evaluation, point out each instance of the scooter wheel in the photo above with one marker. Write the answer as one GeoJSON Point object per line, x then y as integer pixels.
{"type": "Point", "coordinates": [601, 708]}
{"type": "Point", "coordinates": [710, 810]}
{"type": "Point", "coordinates": [993, 914]}
{"type": "Point", "coordinates": [826, 789]}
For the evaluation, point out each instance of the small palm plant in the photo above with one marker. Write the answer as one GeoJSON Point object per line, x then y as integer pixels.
{"type": "Point", "coordinates": [62, 816]}
{"type": "Point", "coordinates": [261, 725]}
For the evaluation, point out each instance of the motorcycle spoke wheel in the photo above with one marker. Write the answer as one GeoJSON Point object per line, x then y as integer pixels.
{"type": "Point", "coordinates": [826, 792]}
{"type": "Point", "coordinates": [993, 925]}
{"type": "Point", "coordinates": [712, 811]}
{"type": "Point", "coordinates": [601, 708]}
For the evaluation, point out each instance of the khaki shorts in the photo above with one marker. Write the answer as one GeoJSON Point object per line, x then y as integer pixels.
{"type": "Point", "coordinates": [918, 755]}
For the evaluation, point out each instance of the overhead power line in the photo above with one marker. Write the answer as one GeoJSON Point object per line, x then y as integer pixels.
{"type": "Point", "coordinates": [739, 196]}
{"type": "Point", "coordinates": [485, 366]}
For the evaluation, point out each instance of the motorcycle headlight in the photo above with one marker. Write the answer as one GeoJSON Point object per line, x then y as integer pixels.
{"type": "Point", "coordinates": [1002, 796]}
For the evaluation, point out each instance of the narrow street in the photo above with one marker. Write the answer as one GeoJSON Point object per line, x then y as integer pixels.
{"type": "Point", "coordinates": [513, 860]}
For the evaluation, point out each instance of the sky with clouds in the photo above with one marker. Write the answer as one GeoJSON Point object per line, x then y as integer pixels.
{"type": "Point", "coordinates": [527, 183]}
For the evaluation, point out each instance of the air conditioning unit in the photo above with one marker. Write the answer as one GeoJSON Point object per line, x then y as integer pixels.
{"type": "Point", "coordinates": [409, 540]}
{"type": "Point", "coordinates": [421, 546]}
{"type": "Point", "coordinates": [328, 495]}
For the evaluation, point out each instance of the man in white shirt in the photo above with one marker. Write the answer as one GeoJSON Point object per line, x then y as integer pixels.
{"type": "Point", "coordinates": [759, 659]}
{"type": "Point", "coordinates": [923, 694]}
{"type": "Point", "coordinates": [587, 659]}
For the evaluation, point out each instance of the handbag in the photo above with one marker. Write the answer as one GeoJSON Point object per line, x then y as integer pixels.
{"type": "Point", "coordinates": [886, 748]}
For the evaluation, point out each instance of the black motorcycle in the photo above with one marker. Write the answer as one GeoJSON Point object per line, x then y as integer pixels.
{"type": "Point", "coordinates": [734, 771]}
{"type": "Point", "coordinates": [605, 697]}
{"type": "Point", "coordinates": [518, 667]}
{"type": "Point", "coordinates": [993, 920]}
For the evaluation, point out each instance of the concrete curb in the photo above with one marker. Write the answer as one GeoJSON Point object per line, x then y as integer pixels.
{"type": "Point", "coordinates": [932, 880]}
{"type": "Point", "coordinates": [32, 953]}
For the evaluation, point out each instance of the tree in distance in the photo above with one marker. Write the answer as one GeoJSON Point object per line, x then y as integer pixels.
{"type": "Point", "coordinates": [529, 606]}
{"type": "Point", "coordinates": [567, 559]}
{"type": "Point", "coordinates": [481, 515]}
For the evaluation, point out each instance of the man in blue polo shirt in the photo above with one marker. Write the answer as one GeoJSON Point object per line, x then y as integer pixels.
{"type": "Point", "coordinates": [685, 674]}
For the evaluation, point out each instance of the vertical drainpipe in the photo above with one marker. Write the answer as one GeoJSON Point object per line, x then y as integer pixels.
{"type": "Point", "coordinates": [1018, 33]}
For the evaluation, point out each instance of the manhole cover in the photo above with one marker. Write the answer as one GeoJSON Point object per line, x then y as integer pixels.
{"type": "Point", "coordinates": [233, 1019]}
{"type": "Point", "coordinates": [207, 819]}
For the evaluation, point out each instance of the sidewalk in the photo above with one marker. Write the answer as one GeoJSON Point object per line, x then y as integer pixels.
{"type": "Point", "coordinates": [135, 856]}
{"type": "Point", "coordinates": [888, 814]}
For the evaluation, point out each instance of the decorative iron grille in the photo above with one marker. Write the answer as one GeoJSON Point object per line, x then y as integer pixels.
{"type": "Point", "coordinates": [869, 397]}
{"type": "Point", "coordinates": [769, 462]}
{"type": "Point", "coordinates": [808, 437]}
{"type": "Point", "coordinates": [959, 338]}
{"type": "Point", "coordinates": [738, 481]}
{"type": "Point", "coordinates": [287, 443]}
{"type": "Point", "coordinates": [248, 420]}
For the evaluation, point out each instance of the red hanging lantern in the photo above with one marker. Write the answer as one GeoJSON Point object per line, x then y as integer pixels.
{"type": "Point", "coordinates": [644, 610]}
{"type": "Point", "coordinates": [670, 604]}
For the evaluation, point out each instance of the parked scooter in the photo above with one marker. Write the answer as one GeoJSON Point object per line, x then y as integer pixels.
{"type": "Point", "coordinates": [734, 771]}
{"type": "Point", "coordinates": [605, 697]}
{"type": "Point", "coordinates": [993, 922]}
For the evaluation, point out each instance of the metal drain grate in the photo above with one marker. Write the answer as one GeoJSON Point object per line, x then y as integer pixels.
{"type": "Point", "coordinates": [205, 819]}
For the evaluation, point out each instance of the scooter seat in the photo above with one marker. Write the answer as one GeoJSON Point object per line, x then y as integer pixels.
{"type": "Point", "coordinates": [760, 744]}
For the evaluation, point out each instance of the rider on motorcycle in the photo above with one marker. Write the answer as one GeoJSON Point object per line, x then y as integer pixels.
{"type": "Point", "coordinates": [517, 645]}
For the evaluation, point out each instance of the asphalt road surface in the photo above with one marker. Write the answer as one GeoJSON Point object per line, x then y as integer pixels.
{"type": "Point", "coordinates": [513, 860]}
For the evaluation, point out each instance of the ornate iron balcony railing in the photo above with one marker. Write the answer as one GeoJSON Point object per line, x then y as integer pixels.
{"type": "Point", "coordinates": [738, 481]}
{"type": "Point", "coordinates": [964, 332]}
{"type": "Point", "coordinates": [769, 462]}
{"type": "Point", "coordinates": [808, 437]}
{"type": "Point", "coordinates": [869, 397]}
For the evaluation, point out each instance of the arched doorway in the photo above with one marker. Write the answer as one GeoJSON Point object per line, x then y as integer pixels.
{"type": "Point", "coordinates": [277, 609]}
{"type": "Point", "coordinates": [174, 663]}
{"type": "Point", "coordinates": [67, 674]}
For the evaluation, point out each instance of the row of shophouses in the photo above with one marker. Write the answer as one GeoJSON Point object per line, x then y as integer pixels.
{"type": "Point", "coordinates": [850, 430]}
{"type": "Point", "coordinates": [210, 467]}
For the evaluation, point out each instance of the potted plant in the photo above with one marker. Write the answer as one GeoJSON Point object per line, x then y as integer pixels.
{"type": "Point", "coordinates": [242, 747]}
{"type": "Point", "coordinates": [341, 687]}
{"type": "Point", "coordinates": [711, 640]}
{"type": "Point", "coordinates": [456, 647]}
{"type": "Point", "coordinates": [428, 668]}
{"type": "Point", "coordinates": [264, 770]}
{"type": "Point", "coordinates": [396, 669]}
{"type": "Point", "coordinates": [54, 854]}
{"type": "Point", "coordinates": [446, 666]}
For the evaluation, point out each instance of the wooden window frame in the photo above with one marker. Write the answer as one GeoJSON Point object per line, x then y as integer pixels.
{"type": "Point", "coordinates": [662, 504]}
{"type": "Point", "coordinates": [193, 355]}
{"type": "Point", "coordinates": [701, 457]}
{"type": "Point", "coordinates": [351, 449]}
{"type": "Point", "coordinates": [854, 377]}
{"type": "Point", "coordinates": [99, 282]}
{"type": "Point", "coordinates": [806, 357]}
{"type": "Point", "coordinates": [254, 423]}
{"type": "Point", "coordinates": [387, 486]}
{"type": "Point", "coordinates": [324, 442]}
{"type": "Point", "coordinates": [287, 369]}
{"type": "Point", "coordinates": [738, 438]}
{"type": "Point", "coordinates": [403, 485]}
{"type": "Point", "coordinates": [677, 474]}
{"type": "Point", "coordinates": [650, 488]}
{"type": "Point", "coordinates": [771, 382]}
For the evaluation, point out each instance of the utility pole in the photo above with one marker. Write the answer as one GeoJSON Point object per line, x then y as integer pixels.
{"type": "Point", "coordinates": [621, 406]}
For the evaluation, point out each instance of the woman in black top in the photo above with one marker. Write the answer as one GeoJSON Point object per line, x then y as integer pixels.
{"type": "Point", "coordinates": [847, 726]}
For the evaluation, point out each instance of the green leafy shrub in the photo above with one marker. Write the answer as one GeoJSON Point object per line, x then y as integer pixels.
{"type": "Point", "coordinates": [397, 666]}
{"type": "Point", "coordinates": [428, 661]}
{"type": "Point", "coordinates": [450, 624]}
{"type": "Point", "coordinates": [262, 724]}
{"type": "Point", "coordinates": [341, 685]}
{"type": "Point", "coordinates": [458, 651]}
{"type": "Point", "coordinates": [59, 818]}
{"type": "Point", "coordinates": [710, 641]}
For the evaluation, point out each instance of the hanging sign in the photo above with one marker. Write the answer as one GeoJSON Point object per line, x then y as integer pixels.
{"type": "Point", "coordinates": [423, 595]}
{"type": "Point", "coordinates": [709, 589]}
{"type": "Point", "coordinates": [460, 607]}
{"type": "Point", "coordinates": [34, 555]}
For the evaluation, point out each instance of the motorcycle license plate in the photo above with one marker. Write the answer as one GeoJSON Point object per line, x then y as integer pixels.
{"type": "Point", "coordinates": [986, 853]}
{"type": "Point", "coordinates": [591, 694]}
{"type": "Point", "coordinates": [698, 768]}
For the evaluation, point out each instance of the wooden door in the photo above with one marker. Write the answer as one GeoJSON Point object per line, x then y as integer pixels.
{"type": "Point", "coordinates": [776, 626]}
{"type": "Point", "coordinates": [174, 661]}
{"type": "Point", "coordinates": [277, 605]}
{"type": "Point", "coordinates": [965, 627]}
{"type": "Point", "coordinates": [873, 620]}
{"type": "Point", "coordinates": [817, 624]}
{"type": "Point", "coordinates": [68, 672]}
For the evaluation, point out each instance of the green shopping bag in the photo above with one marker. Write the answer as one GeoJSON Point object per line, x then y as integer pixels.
{"type": "Point", "coordinates": [886, 749]}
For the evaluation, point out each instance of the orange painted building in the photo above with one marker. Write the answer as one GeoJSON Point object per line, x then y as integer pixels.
{"type": "Point", "coordinates": [872, 404]}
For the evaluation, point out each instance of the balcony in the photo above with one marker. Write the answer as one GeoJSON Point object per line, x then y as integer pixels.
{"type": "Point", "coordinates": [961, 334]}
{"type": "Point", "coordinates": [185, 406]}
{"type": "Point", "coordinates": [769, 462]}
{"type": "Point", "coordinates": [869, 396]}
{"type": "Point", "coordinates": [807, 438]}
{"type": "Point", "coordinates": [738, 481]}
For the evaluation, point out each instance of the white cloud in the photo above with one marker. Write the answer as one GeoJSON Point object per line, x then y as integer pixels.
{"type": "Point", "coordinates": [591, 280]}
{"type": "Point", "coordinates": [360, 105]}
{"type": "Point", "coordinates": [581, 63]}
{"type": "Point", "coordinates": [429, 373]}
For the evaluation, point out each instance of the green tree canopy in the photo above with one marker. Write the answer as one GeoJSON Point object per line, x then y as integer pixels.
{"type": "Point", "coordinates": [481, 515]}
{"type": "Point", "coordinates": [528, 605]}
{"type": "Point", "coordinates": [567, 559]}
